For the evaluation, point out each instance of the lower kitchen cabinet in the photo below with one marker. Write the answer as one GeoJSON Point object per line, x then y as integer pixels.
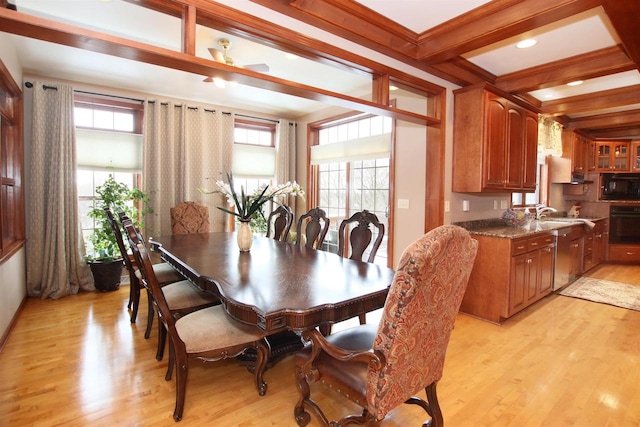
{"type": "Point", "coordinates": [624, 253]}
{"type": "Point", "coordinates": [509, 275]}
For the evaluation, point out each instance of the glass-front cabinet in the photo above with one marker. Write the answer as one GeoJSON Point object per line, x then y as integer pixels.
{"type": "Point", "coordinates": [612, 155]}
{"type": "Point", "coordinates": [635, 155]}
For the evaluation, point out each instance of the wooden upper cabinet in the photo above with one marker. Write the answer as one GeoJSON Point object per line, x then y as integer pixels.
{"type": "Point", "coordinates": [495, 142]}
{"type": "Point", "coordinates": [635, 156]}
{"type": "Point", "coordinates": [612, 156]}
{"type": "Point", "coordinates": [575, 157]}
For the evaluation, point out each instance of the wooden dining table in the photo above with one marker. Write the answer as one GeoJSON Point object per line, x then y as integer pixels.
{"type": "Point", "coordinates": [276, 285]}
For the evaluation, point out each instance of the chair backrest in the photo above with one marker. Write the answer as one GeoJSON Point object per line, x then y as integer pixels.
{"type": "Point", "coordinates": [281, 218]}
{"type": "Point", "coordinates": [314, 232]}
{"type": "Point", "coordinates": [115, 227]}
{"type": "Point", "coordinates": [189, 218]}
{"type": "Point", "coordinates": [150, 281]}
{"type": "Point", "coordinates": [360, 235]}
{"type": "Point", "coordinates": [419, 314]}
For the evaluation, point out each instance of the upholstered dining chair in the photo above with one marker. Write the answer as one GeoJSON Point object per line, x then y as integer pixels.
{"type": "Point", "coordinates": [312, 228]}
{"type": "Point", "coordinates": [182, 297]}
{"type": "Point", "coordinates": [208, 334]}
{"type": "Point", "coordinates": [378, 368]}
{"type": "Point", "coordinates": [189, 218]}
{"type": "Point", "coordinates": [279, 223]}
{"type": "Point", "coordinates": [164, 272]}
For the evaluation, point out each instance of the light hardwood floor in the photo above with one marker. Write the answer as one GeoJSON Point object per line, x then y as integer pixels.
{"type": "Point", "coordinates": [564, 362]}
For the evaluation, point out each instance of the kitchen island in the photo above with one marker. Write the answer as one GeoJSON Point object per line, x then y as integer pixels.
{"type": "Point", "coordinates": [515, 266]}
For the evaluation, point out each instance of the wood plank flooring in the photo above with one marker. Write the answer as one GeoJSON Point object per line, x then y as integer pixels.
{"type": "Point", "coordinates": [564, 362]}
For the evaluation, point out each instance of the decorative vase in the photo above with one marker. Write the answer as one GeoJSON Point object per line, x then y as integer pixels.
{"type": "Point", "coordinates": [245, 236]}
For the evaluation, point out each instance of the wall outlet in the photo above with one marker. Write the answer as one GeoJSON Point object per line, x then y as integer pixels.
{"type": "Point", "coordinates": [465, 206]}
{"type": "Point", "coordinates": [503, 204]}
{"type": "Point", "coordinates": [403, 203]}
{"type": "Point", "coordinates": [447, 206]}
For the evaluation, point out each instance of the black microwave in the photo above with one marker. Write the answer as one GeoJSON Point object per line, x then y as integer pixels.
{"type": "Point", "coordinates": [620, 186]}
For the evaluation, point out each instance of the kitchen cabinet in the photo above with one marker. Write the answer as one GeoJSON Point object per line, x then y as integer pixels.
{"type": "Point", "coordinates": [591, 245]}
{"type": "Point", "coordinates": [635, 156]}
{"type": "Point", "coordinates": [578, 156]}
{"type": "Point", "coordinates": [612, 156]}
{"type": "Point", "coordinates": [509, 275]}
{"type": "Point", "coordinates": [624, 253]}
{"type": "Point", "coordinates": [495, 141]}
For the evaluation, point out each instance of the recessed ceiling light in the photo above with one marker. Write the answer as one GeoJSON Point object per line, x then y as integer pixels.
{"type": "Point", "coordinates": [549, 95]}
{"type": "Point", "coordinates": [392, 87]}
{"type": "Point", "coordinates": [291, 56]}
{"type": "Point", "coordinates": [526, 43]}
{"type": "Point", "coordinates": [576, 83]}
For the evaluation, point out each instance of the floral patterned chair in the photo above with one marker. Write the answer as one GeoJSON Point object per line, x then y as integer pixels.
{"type": "Point", "coordinates": [189, 218]}
{"type": "Point", "coordinates": [381, 367]}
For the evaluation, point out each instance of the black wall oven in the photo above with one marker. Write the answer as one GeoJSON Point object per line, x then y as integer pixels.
{"type": "Point", "coordinates": [624, 224]}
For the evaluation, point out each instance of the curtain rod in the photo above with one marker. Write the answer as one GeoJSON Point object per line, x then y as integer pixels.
{"type": "Point", "coordinates": [45, 87]}
{"type": "Point", "coordinates": [30, 85]}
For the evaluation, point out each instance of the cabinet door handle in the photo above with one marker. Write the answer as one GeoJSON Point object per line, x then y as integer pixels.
{"type": "Point", "coordinates": [547, 249]}
{"type": "Point", "coordinates": [519, 247]}
{"type": "Point", "coordinates": [534, 244]}
{"type": "Point", "coordinates": [631, 253]}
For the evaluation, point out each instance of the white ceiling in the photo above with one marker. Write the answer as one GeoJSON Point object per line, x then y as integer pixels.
{"type": "Point", "coordinates": [580, 34]}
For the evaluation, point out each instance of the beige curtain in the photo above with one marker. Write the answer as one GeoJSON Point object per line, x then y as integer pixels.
{"type": "Point", "coordinates": [55, 267]}
{"type": "Point", "coordinates": [185, 148]}
{"type": "Point", "coordinates": [286, 157]}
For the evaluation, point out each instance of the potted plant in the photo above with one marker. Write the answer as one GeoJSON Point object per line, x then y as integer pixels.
{"type": "Point", "coordinates": [104, 258]}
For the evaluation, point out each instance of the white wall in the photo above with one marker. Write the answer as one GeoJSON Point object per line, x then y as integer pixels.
{"type": "Point", "coordinates": [13, 282]}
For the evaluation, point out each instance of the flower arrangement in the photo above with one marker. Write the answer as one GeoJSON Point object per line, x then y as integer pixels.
{"type": "Point", "coordinates": [517, 218]}
{"type": "Point", "coordinates": [248, 205]}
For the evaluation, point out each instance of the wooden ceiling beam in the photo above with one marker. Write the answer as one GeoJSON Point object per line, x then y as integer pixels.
{"type": "Point", "coordinates": [607, 121]}
{"type": "Point", "coordinates": [491, 23]}
{"type": "Point", "coordinates": [69, 35]}
{"type": "Point", "coordinates": [590, 65]}
{"type": "Point", "coordinates": [622, 133]}
{"type": "Point", "coordinates": [602, 100]}
{"type": "Point", "coordinates": [625, 15]}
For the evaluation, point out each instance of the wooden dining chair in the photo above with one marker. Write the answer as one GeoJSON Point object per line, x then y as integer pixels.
{"type": "Point", "coordinates": [207, 334]}
{"type": "Point", "coordinates": [182, 297]}
{"type": "Point", "coordinates": [280, 220]}
{"type": "Point", "coordinates": [312, 228]}
{"type": "Point", "coordinates": [379, 368]}
{"type": "Point", "coordinates": [165, 273]}
{"type": "Point", "coordinates": [189, 218]}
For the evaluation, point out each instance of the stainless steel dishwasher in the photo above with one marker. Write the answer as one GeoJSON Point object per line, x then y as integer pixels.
{"type": "Point", "coordinates": [563, 259]}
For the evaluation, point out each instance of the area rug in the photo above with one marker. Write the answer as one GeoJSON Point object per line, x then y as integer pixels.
{"type": "Point", "coordinates": [604, 291]}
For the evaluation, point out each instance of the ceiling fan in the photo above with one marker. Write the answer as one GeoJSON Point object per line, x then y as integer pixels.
{"type": "Point", "coordinates": [223, 57]}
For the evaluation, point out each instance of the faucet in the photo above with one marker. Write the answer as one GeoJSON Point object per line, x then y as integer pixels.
{"type": "Point", "coordinates": [541, 211]}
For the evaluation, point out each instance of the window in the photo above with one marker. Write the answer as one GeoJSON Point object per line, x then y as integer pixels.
{"type": "Point", "coordinates": [11, 193]}
{"type": "Point", "coordinates": [109, 141]}
{"type": "Point", "coordinates": [538, 196]}
{"type": "Point", "coordinates": [254, 160]}
{"type": "Point", "coordinates": [352, 163]}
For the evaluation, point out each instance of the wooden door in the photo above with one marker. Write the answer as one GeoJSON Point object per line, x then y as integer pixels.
{"type": "Point", "coordinates": [530, 151]}
{"type": "Point", "coordinates": [620, 159]}
{"type": "Point", "coordinates": [546, 271]}
{"type": "Point", "coordinates": [515, 148]}
{"type": "Point", "coordinates": [495, 142]}
{"type": "Point", "coordinates": [518, 286]}
{"type": "Point", "coordinates": [532, 274]}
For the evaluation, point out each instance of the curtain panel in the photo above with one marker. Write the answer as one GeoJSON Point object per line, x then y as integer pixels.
{"type": "Point", "coordinates": [55, 248]}
{"type": "Point", "coordinates": [184, 148]}
{"type": "Point", "coordinates": [286, 140]}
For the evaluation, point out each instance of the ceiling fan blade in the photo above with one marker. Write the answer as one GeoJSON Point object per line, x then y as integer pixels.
{"type": "Point", "coordinates": [260, 68]}
{"type": "Point", "coordinates": [217, 55]}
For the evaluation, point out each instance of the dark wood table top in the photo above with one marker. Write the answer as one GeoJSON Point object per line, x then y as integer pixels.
{"type": "Point", "coordinates": [277, 285]}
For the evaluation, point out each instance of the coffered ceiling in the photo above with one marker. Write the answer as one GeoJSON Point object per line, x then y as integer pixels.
{"type": "Point", "coordinates": [340, 46]}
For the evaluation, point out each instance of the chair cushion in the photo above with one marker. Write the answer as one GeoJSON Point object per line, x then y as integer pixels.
{"type": "Point", "coordinates": [164, 273]}
{"type": "Point", "coordinates": [212, 328]}
{"type": "Point", "coordinates": [184, 294]}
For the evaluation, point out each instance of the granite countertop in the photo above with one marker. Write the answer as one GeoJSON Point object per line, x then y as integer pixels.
{"type": "Point", "coordinates": [498, 228]}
